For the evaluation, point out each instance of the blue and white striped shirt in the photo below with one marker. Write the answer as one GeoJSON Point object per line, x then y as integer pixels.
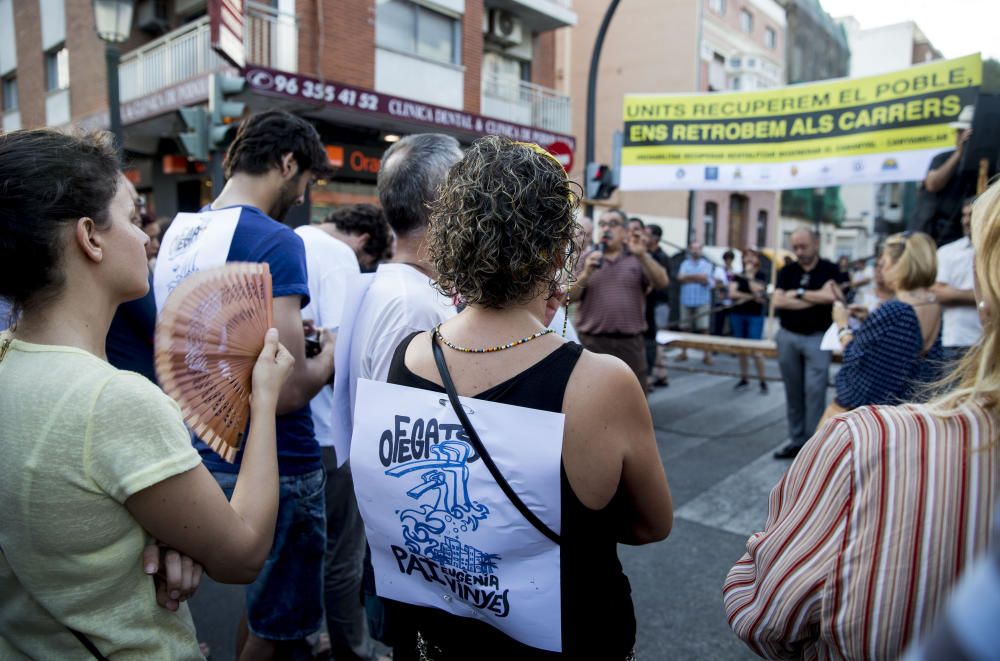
{"type": "Point", "coordinates": [695, 294]}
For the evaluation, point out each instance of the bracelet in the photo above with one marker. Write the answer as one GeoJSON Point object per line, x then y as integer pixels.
{"type": "Point", "coordinates": [843, 332]}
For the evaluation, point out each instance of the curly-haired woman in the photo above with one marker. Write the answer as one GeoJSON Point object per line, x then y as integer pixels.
{"type": "Point", "coordinates": [501, 237]}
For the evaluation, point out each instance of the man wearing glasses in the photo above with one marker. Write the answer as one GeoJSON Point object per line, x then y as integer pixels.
{"type": "Point", "coordinates": [611, 287]}
{"type": "Point", "coordinates": [804, 298]}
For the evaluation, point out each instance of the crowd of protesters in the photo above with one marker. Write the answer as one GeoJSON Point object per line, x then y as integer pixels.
{"type": "Point", "coordinates": [459, 283]}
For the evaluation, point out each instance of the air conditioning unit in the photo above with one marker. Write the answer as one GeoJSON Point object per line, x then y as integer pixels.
{"type": "Point", "coordinates": [152, 16]}
{"type": "Point", "coordinates": [505, 28]}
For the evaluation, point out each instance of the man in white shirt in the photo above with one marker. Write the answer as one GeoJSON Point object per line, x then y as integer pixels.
{"type": "Point", "coordinates": [960, 322]}
{"type": "Point", "coordinates": [402, 299]}
{"type": "Point", "coordinates": [363, 228]}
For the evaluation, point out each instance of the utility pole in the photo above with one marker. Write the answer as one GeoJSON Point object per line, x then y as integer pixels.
{"type": "Point", "coordinates": [595, 57]}
{"type": "Point", "coordinates": [697, 88]}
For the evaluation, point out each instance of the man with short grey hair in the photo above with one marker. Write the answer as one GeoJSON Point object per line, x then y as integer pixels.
{"type": "Point", "coordinates": [400, 300]}
{"type": "Point", "coordinates": [804, 298]}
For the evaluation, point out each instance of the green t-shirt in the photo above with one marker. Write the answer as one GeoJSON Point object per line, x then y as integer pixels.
{"type": "Point", "coordinates": [79, 438]}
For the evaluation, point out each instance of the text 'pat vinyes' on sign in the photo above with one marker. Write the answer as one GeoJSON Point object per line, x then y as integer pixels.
{"type": "Point", "coordinates": [442, 532]}
{"type": "Point", "coordinates": [850, 130]}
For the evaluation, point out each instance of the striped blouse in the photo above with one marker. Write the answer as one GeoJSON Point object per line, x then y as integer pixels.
{"type": "Point", "coordinates": [866, 532]}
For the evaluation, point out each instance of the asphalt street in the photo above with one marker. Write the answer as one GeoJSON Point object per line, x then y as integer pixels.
{"type": "Point", "coordinates": [716, 446]}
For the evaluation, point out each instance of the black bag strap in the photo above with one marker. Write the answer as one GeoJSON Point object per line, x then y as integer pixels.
{"type": "Point", "coordinates": [86, 642]}
{"type": "Point", "coordinates": [449, 386]}
{"type": "Point", "coordinates": [89, 644]}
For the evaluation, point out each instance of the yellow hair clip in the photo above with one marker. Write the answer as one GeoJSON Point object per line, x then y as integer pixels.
{"type": "Point", "coordinates": [540, 150]}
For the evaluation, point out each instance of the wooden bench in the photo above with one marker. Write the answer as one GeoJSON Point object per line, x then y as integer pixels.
{"type": "Point", "coordinates": [718, 344]}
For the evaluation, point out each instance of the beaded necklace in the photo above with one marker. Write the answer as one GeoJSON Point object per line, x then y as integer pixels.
{"type": "Point", "coordinates": [501, 347]}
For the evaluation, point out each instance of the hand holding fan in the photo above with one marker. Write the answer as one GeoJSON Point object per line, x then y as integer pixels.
{"type": "Point", "coordinates": [208, 337]}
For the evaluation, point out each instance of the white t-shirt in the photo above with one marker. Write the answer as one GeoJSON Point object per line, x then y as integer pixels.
{"type": "Point", "coordinates": [961, 327]}
{"type": "Point", "coordinates": [330, 265]}
{"type": "Point", "coordinates": [400, 301]}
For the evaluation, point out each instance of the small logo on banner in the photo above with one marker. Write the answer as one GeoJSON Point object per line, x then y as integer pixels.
{"type": "Point", "coordinates": [711, 173]}
{"type": "Point", "coordinates": [737, 174]}
{"type": "Point", "coordinates": [858, 166]}
{"type": "Point", "coordinates": [890, 164]}
{"type": "Point", "coordinates": [794, 170]}
{"type": "Point", "coordinates": [680, 173]}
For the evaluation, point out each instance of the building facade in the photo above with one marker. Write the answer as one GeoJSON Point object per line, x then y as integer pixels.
{"type": "Point", "coordinates": [871, 211]}
{"type": "Point", "coordinates": [365, 72]}
{"type": "Point", "coordinates": [816, 49]}
{"type": "Point", "coordinates": [742, 48]}
{"type": "Point", "coordinates": [680, 46]}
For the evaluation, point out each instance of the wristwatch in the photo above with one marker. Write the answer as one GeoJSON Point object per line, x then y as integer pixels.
{"type": "Point", "coordinates": [799, 293]}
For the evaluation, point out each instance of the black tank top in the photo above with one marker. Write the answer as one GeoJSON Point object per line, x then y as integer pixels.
{"type": "Point", "coordinates": [598, 621]}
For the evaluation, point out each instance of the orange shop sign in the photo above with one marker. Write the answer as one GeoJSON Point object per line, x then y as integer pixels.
{"type": "Point", "coordinates": [355, 162]}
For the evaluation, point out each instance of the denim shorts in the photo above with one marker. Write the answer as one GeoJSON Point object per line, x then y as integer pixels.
{"type": "Point", "coordinates": [748, 327]}
{"type": "Point", "coordinates": [286, 600]}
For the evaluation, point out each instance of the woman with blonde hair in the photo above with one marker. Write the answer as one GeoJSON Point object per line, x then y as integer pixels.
{"type": "Point", "coordinates": [882, 510]}
{"type": "Point", "coordinates": [501, 236]}
{"type": "Point", "coordinates": [897, 350]}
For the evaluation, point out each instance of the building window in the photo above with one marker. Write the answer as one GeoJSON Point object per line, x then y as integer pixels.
{"type": "Point", "coordinates": [746, 21]}
{"type": "Point", "coordinates": [769, 38]}
{"type": "Point", "coordinates": [10, 93]}
{"type": "Point", "coordinates": [405, 26]}
{"type": "Point", "coordinates": [761, 228]}
{"type": "Point", "coordinates": [503, 75]}
{"type": "Point", "coordinates": [57, 69]}
{"type": "Point", "coordinates": [718, 6]}
{"type": "Point", "coordinates": [711, 222]}
{"type": "Point", "coordinates": [736, 83]}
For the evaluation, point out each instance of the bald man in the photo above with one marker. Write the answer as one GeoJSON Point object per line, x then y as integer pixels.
{"type": "Point", "coordinates": [806, 290]}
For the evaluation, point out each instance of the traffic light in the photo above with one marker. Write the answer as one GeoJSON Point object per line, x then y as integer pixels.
{"type": "Point", "coordinates": [222, 110]}
{"type": "Point", "coordinates": [195, 139]}
{"type": "Point", "coordinates": [600, 182]}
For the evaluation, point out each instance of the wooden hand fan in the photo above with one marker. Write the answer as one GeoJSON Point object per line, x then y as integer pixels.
{"type": "Point", "coordinates": [208, 337]}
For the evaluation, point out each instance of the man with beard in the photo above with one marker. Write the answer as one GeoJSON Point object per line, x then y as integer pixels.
{"type": "Point", "coordinates": [269, 167]}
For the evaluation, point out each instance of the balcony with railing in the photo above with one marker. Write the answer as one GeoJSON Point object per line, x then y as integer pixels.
{"type": "Point", "coordinates": [270, 38]}
{"type": "Point", "coordinates": [538, 15]}
{"type": "Point", "coordinates": [521, 102]}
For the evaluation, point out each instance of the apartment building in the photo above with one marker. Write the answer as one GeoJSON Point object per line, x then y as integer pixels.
{"type": "Point", "coordinates": [871, 211]}
{"type": "Point", "coordinates": [742, 48]}
{"type": "Point", "coordinates": [365, 72]}
{"type": "Point", "coordinates": [816, 49]}
{"type": "Point", "coordinates": [681, 46]}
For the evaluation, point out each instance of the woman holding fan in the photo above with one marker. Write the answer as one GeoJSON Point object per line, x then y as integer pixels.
{"type": "Point", "coordinates": [94, 460]}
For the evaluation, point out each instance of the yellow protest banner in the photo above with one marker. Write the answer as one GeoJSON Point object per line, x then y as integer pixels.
{"type": "Point", "coordinates": [850, 130]}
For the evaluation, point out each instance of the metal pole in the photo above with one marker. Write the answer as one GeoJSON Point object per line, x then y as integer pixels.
{"type": "Point", "coordinates": [112, 56]}
{"type": "Point", "coordinates": [595, 57]}
{"type": "Point", "coordinates": [697, 88]}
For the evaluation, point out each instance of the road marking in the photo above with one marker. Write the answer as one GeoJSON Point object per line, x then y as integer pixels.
{"type": "Point", "coordinates": [737, 504]}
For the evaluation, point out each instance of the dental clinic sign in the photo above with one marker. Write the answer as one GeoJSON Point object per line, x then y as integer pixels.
{"type": "Point", "coordinates": [336, 95]}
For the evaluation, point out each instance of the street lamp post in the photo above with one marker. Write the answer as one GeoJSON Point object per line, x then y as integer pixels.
{"type": "Point", "coordinates": [113, 21]}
